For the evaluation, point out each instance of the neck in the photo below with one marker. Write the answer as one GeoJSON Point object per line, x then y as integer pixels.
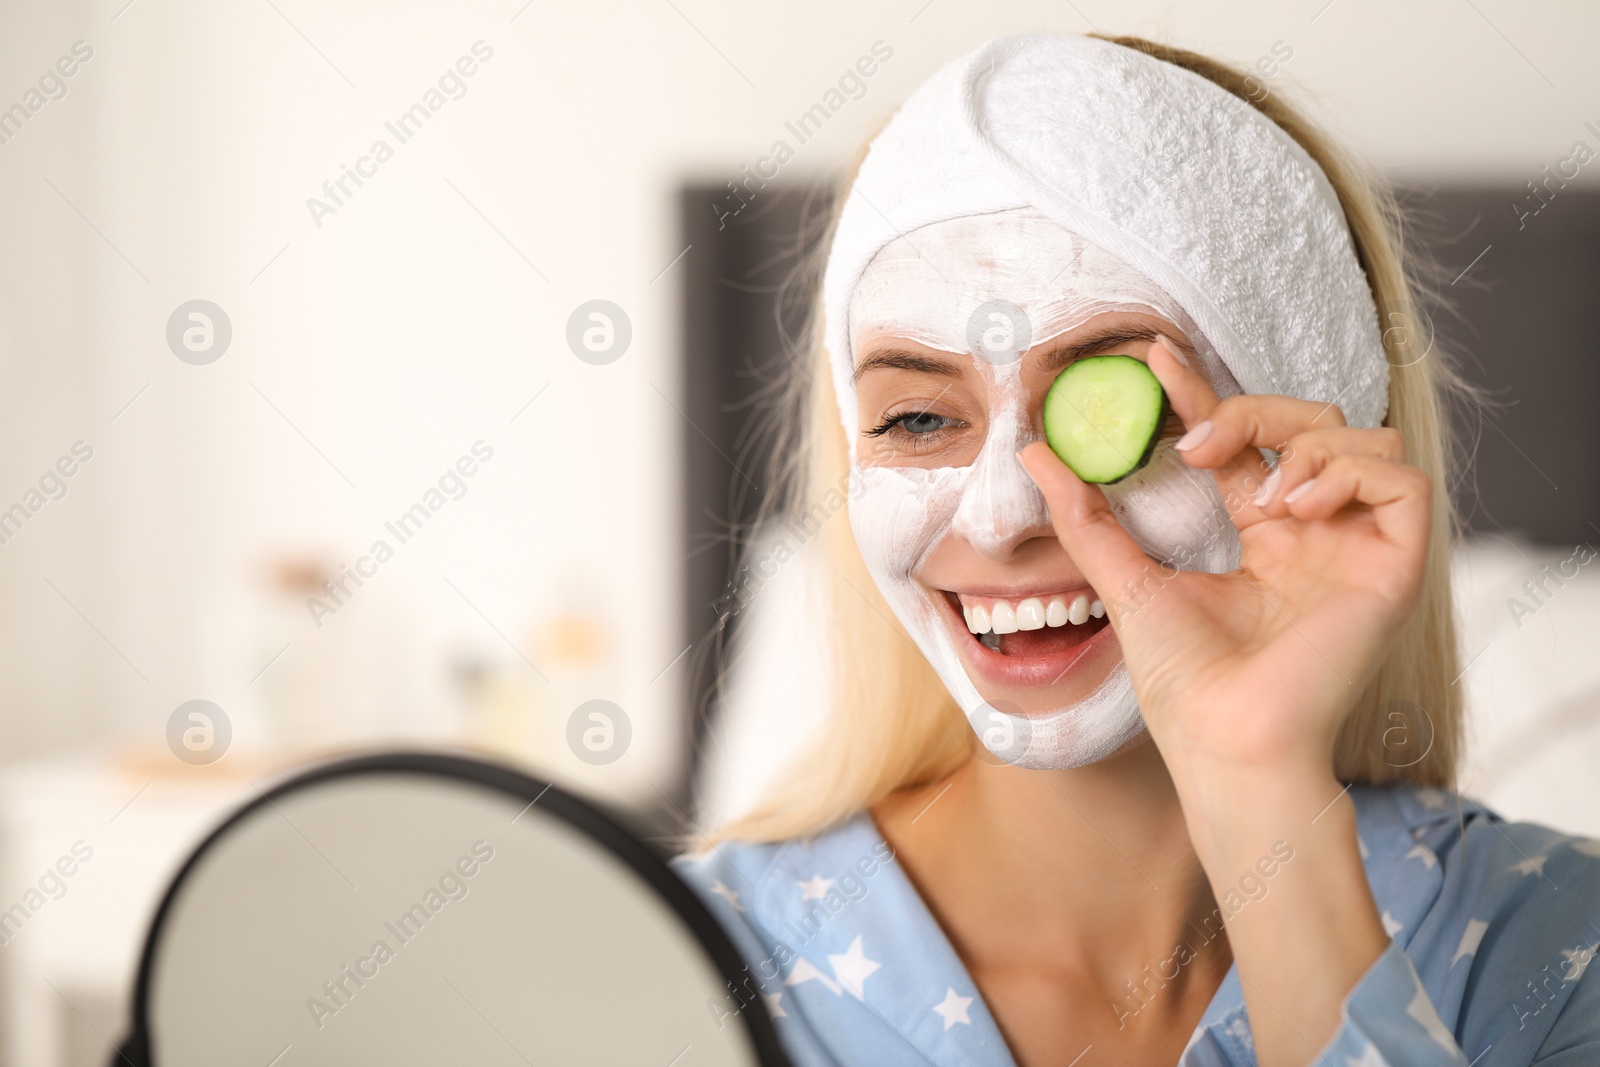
{"type": "Point", "coordinates": [1090, 869]}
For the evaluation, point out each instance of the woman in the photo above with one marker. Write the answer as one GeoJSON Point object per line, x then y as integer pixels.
{"type": "Point", "coordinates": [1200, 810]}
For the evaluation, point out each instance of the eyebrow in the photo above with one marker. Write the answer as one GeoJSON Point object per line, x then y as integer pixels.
{"type": "Point", "coordinates": [899, 359]}
{"type": "Point", "coordinates": [1053, 360]}
{"type": "Point", "coordinates": [1100, 340]}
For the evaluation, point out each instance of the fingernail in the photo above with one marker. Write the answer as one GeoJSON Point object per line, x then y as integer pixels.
{"type": "Point", "coordinates": [1269, 487]}
{"type": "Point", "coordinates": [1177, 353]}
{"type": "Point", "coordinates": [1195, 436]}
{"type": "Point", "coordinates": [1300, 490]}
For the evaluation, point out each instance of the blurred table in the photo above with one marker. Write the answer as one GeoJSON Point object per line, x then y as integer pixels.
{"type": "Point", "coordinates": [71, 944]}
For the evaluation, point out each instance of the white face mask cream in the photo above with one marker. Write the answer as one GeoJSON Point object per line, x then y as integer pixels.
{"type": "Point", "coordinates": [990, 287]}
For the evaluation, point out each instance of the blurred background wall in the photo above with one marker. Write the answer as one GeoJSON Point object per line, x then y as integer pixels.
{"type": "Point", "coordinates": [432, 311]}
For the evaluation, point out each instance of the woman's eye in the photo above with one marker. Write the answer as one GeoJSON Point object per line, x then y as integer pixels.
{"type": "Point", "coordinates": [923, 422]}
{"type": "Point", "coordinates": [916, 430]}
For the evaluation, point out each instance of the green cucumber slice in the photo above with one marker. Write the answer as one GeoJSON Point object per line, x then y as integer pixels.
{"type": "Point", "coordinates": [1103, 416]}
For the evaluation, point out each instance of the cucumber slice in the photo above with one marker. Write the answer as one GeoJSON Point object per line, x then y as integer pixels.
{"type": "Point", "coordinates": [1103, 416]}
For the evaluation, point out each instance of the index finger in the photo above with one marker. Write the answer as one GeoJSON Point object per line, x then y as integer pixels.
{"type": "Point", "coordinates": [1258, 419]}
{"type": "Point", "coordinates": [1224, 435]}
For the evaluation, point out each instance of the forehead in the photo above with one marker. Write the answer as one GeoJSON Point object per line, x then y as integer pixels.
{"type": "Point", "coordinates": [930, 284]}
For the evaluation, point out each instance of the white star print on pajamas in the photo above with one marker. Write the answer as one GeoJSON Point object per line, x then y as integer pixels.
{"type": "Point", "coordinates": [953, 1009]}
{"type": "Point", "coordinates": [816, 888]}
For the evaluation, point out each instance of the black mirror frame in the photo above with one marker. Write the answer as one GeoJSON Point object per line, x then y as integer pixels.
{"type": "Point", "coordinates": [581, 815]}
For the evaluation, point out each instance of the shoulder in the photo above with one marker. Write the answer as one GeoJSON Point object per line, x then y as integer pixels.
{"type": "Point", "coordinates": [742, 880]}
{"type": "Point", "coordinates": [842, 952]}
{"type": "Point", "coordinates": [1501, 919]}
{"type": "Point", "coordinates": [757, 890]}
{"type": "Point", "coordinates": [1478, 857]}
{"type": "Point", "coordinates": [727, 877]}
{"type": "Point", "coordinates": [773, 899]}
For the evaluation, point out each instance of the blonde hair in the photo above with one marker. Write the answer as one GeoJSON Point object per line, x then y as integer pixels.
{"type": "Point", "coordinates": [892, 724]}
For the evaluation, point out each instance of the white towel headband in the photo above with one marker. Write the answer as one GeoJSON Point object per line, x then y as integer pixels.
{"type": "Point", "coordinates": [1197, 189]}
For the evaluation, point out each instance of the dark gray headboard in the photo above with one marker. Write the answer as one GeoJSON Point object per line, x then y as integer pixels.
{"type": "Point", "coordinates": [1526, 331]}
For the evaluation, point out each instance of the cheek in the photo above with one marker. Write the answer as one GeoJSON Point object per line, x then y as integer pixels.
{"type": "Point", "coordinates": [1176, 514]}
{"type": "Point", "coordinates": [900, 513]}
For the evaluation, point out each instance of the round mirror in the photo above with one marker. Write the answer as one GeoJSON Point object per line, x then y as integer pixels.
{"type": "Point", "coordinates": [423, 909]}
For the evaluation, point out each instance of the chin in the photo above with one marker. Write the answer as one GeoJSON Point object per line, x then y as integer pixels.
{"type": "Point", "coordinates": [1039, 669]}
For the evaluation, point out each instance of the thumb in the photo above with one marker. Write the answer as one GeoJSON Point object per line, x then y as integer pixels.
{"type": "Point", "coordinates": [1106, 553]}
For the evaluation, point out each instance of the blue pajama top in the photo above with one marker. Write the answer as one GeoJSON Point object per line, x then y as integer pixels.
{"type": "Point", "coordinates": [1492, 925]}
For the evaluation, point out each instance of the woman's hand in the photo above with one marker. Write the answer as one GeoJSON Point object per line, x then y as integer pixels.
{"type": "Point", "coordinates": [1257, 669]}
{"type": "Point", "coordinates": [1245, 678]}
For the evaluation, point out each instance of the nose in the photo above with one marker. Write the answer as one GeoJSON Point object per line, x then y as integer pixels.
{"type": "Point", "coordinates": [1001, 507]}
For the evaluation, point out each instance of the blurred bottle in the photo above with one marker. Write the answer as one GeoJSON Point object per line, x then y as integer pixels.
{"type": "Point", "coordinates": [310, 688]}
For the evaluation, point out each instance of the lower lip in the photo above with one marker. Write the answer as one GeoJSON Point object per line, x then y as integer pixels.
{"type": "Point", "coordinates": [1025, 672]}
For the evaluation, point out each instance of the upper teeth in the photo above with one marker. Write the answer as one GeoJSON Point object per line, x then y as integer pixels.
{"type": "Point", "coordinates": [1005, 616]}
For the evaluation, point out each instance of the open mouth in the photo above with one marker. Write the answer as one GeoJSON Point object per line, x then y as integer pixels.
{"type": "Point", "coordinates": [1027, 641]}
